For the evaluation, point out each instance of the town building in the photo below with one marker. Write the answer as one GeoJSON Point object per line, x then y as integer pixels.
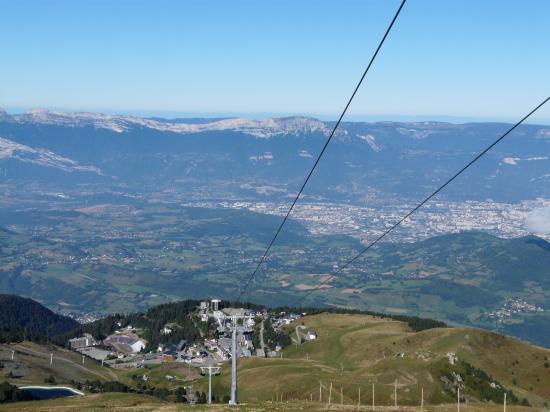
{"type": "Point", "coordinates": [82, 342]}
{"type": "Point", "coordinates": [138, 345]}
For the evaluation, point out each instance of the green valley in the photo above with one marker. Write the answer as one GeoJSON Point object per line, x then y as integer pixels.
{"type": "Point", "coordinates": [110, 258]}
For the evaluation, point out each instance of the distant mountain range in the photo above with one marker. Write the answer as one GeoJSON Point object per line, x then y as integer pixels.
{"type": "Point", "coordinates": [265, 128]}
{"type": "Point", "coordinates": [243, 156]}
{"type": "Point", "coordinates": [16, 152]}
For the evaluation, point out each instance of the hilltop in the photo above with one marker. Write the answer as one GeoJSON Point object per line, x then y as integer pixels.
{"type": "Point", "coordinates": [351, 351]}
{"type": "Point", "coordinates": [355, 351]}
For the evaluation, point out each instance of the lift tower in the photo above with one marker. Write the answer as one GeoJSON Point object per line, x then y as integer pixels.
{"type": "Point", "coordinates": [210, 370]}
{"type": "Point", "coordinates": [234, 355]}
{"type": "Point", "coordinates": [233, 400]}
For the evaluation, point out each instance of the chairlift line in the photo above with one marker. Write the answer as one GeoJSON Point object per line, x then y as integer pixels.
{"type": "Point", "coordinates": [426, 200]}
{"type": "Point", "coordinates": [264, 256]}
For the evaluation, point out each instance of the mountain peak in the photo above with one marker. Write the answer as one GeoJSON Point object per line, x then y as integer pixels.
{"type": "Point", "coordinates": [3, 114]}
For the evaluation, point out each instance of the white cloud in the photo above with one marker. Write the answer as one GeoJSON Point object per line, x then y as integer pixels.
{"type": "Point", "coordinates": [538, 221]}
{"type": "Point", "coordinates": [514, 160]}
{"type": "Point", "coordinates": [511, 160]}
{"type": "Point", "coordinates": [266, 156]}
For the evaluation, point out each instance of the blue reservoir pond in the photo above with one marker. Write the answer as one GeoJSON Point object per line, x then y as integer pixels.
{"type": "Point", "coordinates": [44, 392]}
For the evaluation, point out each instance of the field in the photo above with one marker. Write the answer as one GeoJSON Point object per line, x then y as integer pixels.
{"type": "Point", "coordinates": [127, 402]}
{"type": "Point", "coordinates": [106, 401]}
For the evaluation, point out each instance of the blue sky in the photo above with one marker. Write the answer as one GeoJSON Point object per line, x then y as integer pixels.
{"type": "Point", "coordinates": [445, 59]}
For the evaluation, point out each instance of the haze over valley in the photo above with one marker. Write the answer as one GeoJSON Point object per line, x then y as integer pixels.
{"type": "Point", "coordinates": [121, 213]}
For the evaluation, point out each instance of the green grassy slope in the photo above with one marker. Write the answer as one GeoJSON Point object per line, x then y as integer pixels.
{"type": "Point", "coordinates": [352, 352]}
{"type": "Point", "coordinates": [355, 351]}
{"type": "Point", "coordinates": [130, 402]}
{"type": "Point", "coordinates": [105, 401]}
{"type": "Point", "coordinates": [31, 365]}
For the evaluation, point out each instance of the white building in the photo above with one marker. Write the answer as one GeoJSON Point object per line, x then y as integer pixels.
{"type": "Point", "coordinates": [452, 358]}
{"type": "Point", "coordinates": [216, 304]}
{"type": "Point", "coordinates": [137, 346]}
{"type": "Point", "coordinates": [82, 342]}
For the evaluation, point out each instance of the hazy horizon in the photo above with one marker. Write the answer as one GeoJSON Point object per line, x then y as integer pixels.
{"type": "Point", "coordinates": [263, 115]}
{"type": "Point", "coordinates": [466, 60]}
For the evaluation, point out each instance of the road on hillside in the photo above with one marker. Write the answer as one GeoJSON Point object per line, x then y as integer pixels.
{"type": "Point", "coordinates": [262, 343]}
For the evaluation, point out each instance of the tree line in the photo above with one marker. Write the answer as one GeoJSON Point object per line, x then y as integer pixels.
{"type": "Point", "coordinates": [11, 393]}
{"type": "Point", "coordinates": [26, 319]}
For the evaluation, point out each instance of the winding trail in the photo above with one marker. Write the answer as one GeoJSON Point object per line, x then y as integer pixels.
{"type": "Point", "coordinates": [262, 343]}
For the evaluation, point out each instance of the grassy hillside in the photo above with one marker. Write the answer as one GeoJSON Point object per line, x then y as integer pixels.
{"type": "Point", "coordinates": [105, 401]}
{"type": "Point", "coordinates": [352, 351]}
{"type": "Point", "coordinates": [355, 351]}
{"type": "Point", "coordinates": [31, 365]}
{"type": "Point", "coordinates": [131, 402]}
